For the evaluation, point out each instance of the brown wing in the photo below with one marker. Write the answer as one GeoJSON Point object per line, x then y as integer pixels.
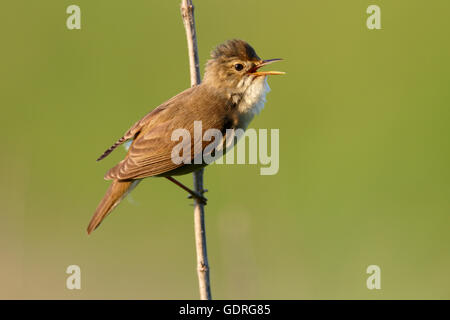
{"type": "Point", "coordinates": [148, 155]}
{"type": "Point", "coordinates": [138, 126]}
{"type": "Point", "coordinates": [151, 151]}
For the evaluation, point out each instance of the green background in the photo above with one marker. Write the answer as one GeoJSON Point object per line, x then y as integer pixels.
{"type": "Point", "coordinates": [364, 152]}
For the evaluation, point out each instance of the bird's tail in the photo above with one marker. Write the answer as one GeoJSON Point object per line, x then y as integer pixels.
{"type": "Point", "coordinates": [116, 192]}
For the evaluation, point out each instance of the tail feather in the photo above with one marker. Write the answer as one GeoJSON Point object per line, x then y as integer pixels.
{"type": "Point", "coordinates": [115, 193]}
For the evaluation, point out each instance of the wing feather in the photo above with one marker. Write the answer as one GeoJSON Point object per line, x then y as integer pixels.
{"type": "Point", "coordinates": [139, 125]}
{"type": "Point", "coordinates": [150, 153]}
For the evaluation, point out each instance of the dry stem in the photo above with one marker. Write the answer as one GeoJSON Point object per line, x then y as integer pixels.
{"type": "Point", "coordinates": [187, 13]}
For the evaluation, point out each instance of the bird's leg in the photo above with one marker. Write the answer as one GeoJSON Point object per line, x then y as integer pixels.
{"type": "Point", "coordinates": [193, 193]}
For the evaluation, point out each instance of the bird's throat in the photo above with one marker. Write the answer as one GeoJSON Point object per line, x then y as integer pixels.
{"type": "Point", "coordinates": [252, 99]}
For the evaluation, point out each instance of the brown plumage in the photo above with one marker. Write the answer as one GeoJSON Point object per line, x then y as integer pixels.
{"type": "Point", "coordinates": [221, 102]}
{"type": "Point", "coordinates": [115, 193]}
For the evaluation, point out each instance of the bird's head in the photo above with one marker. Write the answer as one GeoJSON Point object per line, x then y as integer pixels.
{"type": "Point", "coordinates": [234, 65]}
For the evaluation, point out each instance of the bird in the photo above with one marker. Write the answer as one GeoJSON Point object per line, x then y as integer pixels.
{"type": "Point", "coordinates": [232, 92]}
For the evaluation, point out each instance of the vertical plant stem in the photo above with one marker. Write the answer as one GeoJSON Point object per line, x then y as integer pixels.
{"type": "Point", "coordinates": [187, 13]}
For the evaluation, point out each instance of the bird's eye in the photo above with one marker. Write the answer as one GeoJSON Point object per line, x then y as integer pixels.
{"type": "Point", "coordinates": [238, 67]}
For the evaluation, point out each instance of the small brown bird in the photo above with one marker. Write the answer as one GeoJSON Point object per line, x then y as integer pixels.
{"type": "Point", "coordinates": [232, 92]}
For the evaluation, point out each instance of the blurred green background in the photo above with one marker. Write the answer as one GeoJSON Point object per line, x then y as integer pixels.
{"type": "Point", "coordinates": [364, 152]}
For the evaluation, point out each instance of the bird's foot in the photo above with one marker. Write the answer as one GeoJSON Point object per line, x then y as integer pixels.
{"type": "Point", "coordinates": [198, 196]}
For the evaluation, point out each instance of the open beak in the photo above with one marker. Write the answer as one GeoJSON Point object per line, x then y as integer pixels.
{"type": "Point", "coordinates": [254, 71]}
